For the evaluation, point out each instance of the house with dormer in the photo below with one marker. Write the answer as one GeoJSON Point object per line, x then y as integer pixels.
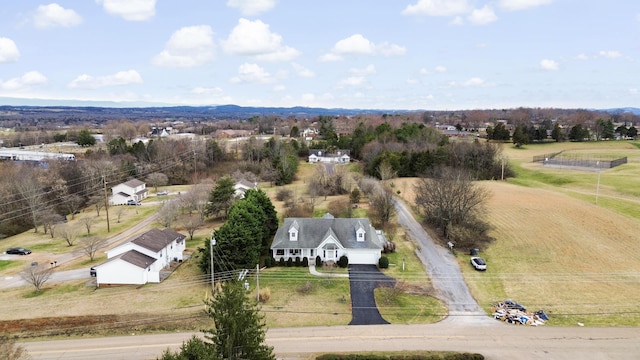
{"type": "Point", "coordinates": [322, 156]}
{"type": "Point", "coordinates": [329, 238]}
{"type": "Point", "coordinates": [142, 259]}
{"type": "Point", "coordinates": [133, 189]}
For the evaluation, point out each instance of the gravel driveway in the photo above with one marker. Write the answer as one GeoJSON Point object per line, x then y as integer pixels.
{"type": "Point", "coordinates": [363, 279]}
{"type": "Point", "coordinates": [444, 272]}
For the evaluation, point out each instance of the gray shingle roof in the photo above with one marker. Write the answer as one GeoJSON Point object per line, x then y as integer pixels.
{"type": "Point", "coordinates": [133, 257]}
{"type": "Point", "coordinates": [313, 231]}
{"type": "Point", "coordinates": [156, 239]}
{"type": "Point", "coordinates": [133, 183]}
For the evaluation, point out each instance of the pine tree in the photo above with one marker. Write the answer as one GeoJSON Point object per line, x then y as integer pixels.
{"type": "Point", "coordinates": [240, 329]}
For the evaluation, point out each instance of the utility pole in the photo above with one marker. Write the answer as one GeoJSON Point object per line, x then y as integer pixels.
{"type": "Point", "coordinates": [211, 243]}
{"type": "Point", "coordinates": [598, 183]}
{"type": "Point", "coordinates": [106, 202]}
{"type": "Point", "coordinates": [258, 282]}
{"type": "Point", "coordinates": [195, 168]}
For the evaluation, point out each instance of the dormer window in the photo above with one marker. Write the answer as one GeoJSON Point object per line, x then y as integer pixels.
{"type": "Point", "coordinates": [293, 235]}
{"type": "Point", "coordinates": [360, 233]}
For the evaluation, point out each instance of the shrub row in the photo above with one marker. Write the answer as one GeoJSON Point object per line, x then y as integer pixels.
{"type": "Point", "coordinates": [456, 356]}
{"type": "Point", "coordinates": [299, 262]}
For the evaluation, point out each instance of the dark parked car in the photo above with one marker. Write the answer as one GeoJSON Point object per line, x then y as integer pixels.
{"type": "Point", "coordinates": [18, 251]}
{"type": "Point", "coordinates": [93, 271]}
{"type": "Point", "coordinates": [478, 263]}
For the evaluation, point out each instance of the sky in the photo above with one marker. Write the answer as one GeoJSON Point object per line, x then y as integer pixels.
{"type": "Point", "coordinates": [354, 54]}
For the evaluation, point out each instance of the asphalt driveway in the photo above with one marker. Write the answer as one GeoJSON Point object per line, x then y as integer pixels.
{"type": "Point", "coordinates": [363, 279]}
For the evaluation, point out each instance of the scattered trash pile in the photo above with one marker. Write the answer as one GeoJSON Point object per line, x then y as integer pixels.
{"type": "Point", "coordinates": [514, 313]}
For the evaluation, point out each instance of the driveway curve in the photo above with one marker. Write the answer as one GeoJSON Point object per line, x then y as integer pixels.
{"type": "Point", "coordinates": [363, 280]}
{"type": "Point", "coordinates": [444, 272]}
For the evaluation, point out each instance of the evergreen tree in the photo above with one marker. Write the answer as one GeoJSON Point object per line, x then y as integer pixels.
{"type": "Point", "coordinates": [267, 210]}
{"type": "Point", "coordinates": [221, 197]}
{"type": "Point", "coordinates": [556, 133]}
{"type": "Point", "coordinates": [85, 138]}
{"type": "Point", "coordinates": [240, 329]}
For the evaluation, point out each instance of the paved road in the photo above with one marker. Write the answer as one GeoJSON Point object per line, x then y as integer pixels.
{"type": "Point", "coordinates": [444, 272]}
{"type": "Point", "coordinates": [501, 342]}
{"type": "Point", "coordinates": [66, 275]}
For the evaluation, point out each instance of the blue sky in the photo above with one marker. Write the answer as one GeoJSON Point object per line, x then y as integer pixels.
{"type": "Point", "coordinates": [373, 54]}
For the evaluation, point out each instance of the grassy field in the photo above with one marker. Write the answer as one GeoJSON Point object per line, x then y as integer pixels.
{"type": "Point", "coordinates": [555, 250]}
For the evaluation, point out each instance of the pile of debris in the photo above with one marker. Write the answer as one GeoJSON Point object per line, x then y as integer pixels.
{"type": "Point", "coordinates": [514, 313]}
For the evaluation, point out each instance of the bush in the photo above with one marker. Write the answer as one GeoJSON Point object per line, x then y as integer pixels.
{"type": "Point", "coordinates": [343, 262]}
{"type": "Point", "coordinates": [298, 262]}
{"type": "Point", "coordinates": [305, 288]}
{"type": "Point", "coordinates": [305, 262]}
{"type": "Point", "coordinates": [318, 261]}
{"type": "Point", "coordinates": [267, 262]}
{"type": "Point", "coordinates": [389, 247]}
{"type": "Point", "coordinates": [289, 262]}
{"type": "Point", "coordinates": [281, 262]}
{"type": "Point", "coordinates": [284, 194]}
{"type": "Point", "coordinates": [383, 263]}
{"type": "Point", "coordinates": [265, 295]}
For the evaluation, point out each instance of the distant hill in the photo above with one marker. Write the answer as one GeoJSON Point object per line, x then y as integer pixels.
{"type": "Point", "coordinates": [633, 110]}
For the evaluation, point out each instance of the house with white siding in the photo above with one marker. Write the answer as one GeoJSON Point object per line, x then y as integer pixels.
{"type": "Point", "coordinates": [141, 260]}
{"type": "Point", "coordinates": [329, 238]}
{"type": "Point", "coordinates": [133, 189]}
{"type": "Point", "coordinates": [242, 186]}
{"type": "Point", "coordinates": [322, 156]}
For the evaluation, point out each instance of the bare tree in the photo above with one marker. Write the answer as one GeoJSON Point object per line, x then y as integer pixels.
{"type": "Point", "coordinates": [157, 179]}
{"type": "Point", "coordinates": [98, 201]}
{"type": "Point", "coordinates": [49, 221]}
{"type": "Point", "coordinates": [191, 224]}
{"type": "Point", "coordinates": [119, 212]}
{"type": "Point", "coordinates": [382, 208]}
{"type": "Point", "coordinates": [33, 195]}
{"type": "Point", "coordinates": [168, 214]}
{"type": "Point", "coordinates": [449, 199]}
{"type": "Point", "coordinates": [69, 233]}
{"type": "Point", "coordinates": [90, 245]}
{"type": "Point", "coordinates": [72, 203]}
{"type": "Point", "coordinates": [196, 199]}
{"type": "Point", "coordinates": [386, 172]}
{"type": "Point", "coordinates": [37, 275]}
{"type": "Point", "coordinates": [87, 222]}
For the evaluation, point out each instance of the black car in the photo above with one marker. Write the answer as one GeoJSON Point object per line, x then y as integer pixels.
{"type": "Point", "coordinates": [18, 251]}
{"type": "Point", "coordinates": [92, 271]}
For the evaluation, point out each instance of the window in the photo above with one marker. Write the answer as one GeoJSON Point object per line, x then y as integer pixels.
{"type": "Point", "coordinates": [294, 251]}
{"type": "Point", "coordinates": [280, 252]}
{"type": "Point", "coordinates": [311, 252]}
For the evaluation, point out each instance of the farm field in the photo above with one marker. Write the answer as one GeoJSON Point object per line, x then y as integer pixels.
{"type": "Point", "coordinates": [556, 249]}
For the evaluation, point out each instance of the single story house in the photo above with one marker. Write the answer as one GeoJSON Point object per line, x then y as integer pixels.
{"type": "Point", "coordinates": [133, 189]}
{"type": "Point", "coordinates": [329, 238]}
{"type": "Point", "coordinates": [242, 186]}
{"type": "Point", "coordinates": [340, 156]}
{"type": "Point", "coordinates": [140, 260]}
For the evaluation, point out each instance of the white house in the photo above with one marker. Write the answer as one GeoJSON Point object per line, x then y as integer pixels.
{"type": "Point", "coordinates": [140, 260]}
{"type": "Point", "coordinates": [242, 186]}
{"type": "Point", "coordinates": [133, 189]}
{"type": "Point", "coordinates": [329, 238]}
{"type": "Point", "coordinates": [340, 156]}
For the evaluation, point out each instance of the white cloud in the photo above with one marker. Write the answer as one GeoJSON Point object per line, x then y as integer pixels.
{"type": "Point", "coordinates": [279, 88]}
{"type": "Point", "coordinates": [550, 65]}
{"type": "Point", "coordinates": [302, 71]}
{"type": "Point", "coordinates": [359, 45]}
{"type": "Point", "coordinates": [200, 90]}
{"type": "Point", "coordinates": [134, 10]}
{"type": "Point", "coordinates": [252, 73]}
{"type": "Point", "coordinates": [482, 16]}
{"type": "Point", "coordinates": [53, 15]}
{"type": "Point", "coordinates": [369, 70]}
{"type": "Point", "coordinates": [441, 69]}
{"type": "Point", "coordinates": [253, 38]}
{"type": "Point", "coordinates": [438, 8]}
{"type": "Point", "coordinates": [582, 57]}
{"type": "Point", "coordinates": [85, 81]}
{"type": "Point", "coordinates": [515, 5]}
{"type": "Point", "coordinates": [458, 21]}
{"type": "Point", "coordinates": [633, 91]}
{"type": "Point", "coordinates": [8, 50]}
{"type": "Point", "coordinates": [438, 69]}
{"type": "Point", "coordinates": [474, 82]}
{"type": "Point", "coordinates": [387, 49]}
{"type": "Point", "coordinates": [24, 82]}
{"type": "Point", "coordinates": [352, 81]}
{"type": "Point", "coordinates": [610, 54]}
{"type": "Point", "coordinates": [330, 57]}
{"type": "Point", "coordinates": [188, 47]}
{"type": "Point", "coordinates": [251, 7]}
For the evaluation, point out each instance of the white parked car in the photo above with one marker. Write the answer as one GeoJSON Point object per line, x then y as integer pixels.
{"type": "Point", "coordinates": [478, 263]}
